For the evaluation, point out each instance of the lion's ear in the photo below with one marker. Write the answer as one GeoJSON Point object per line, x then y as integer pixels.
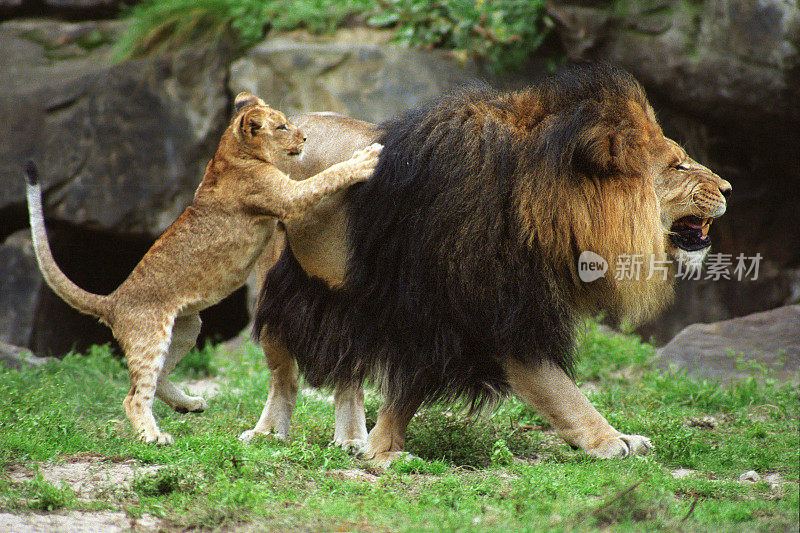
{"type": "Point", "coordinates": [581, 142]}
{"type": "Point", "coordinates": [244, 99]}
{"type": "Point", "coordinates": [252, 121]}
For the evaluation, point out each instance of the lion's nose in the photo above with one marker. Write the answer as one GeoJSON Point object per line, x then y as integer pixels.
{"type": "Point", "coordinates": [726, 191]}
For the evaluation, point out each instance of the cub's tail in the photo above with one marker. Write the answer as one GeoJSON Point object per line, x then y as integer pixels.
{"type": "Point", "coordinates": [83, 301]}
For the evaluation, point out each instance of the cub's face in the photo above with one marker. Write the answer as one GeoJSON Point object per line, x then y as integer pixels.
{"type": "Point", "coordinates": [691, 197]}
{"type": "Point", "coordinates": [264, 133]}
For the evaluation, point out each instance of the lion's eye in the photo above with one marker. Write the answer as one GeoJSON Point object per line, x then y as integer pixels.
{"type": "Point", "coordinates": [281, 127]}
{"type": "Point", "coordinates": [678, 166]}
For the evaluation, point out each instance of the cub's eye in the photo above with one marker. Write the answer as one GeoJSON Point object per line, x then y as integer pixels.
{"type": "Point", "coordinates": [678, 166]}
{"type": "Point", "coordinates": [281, 127]}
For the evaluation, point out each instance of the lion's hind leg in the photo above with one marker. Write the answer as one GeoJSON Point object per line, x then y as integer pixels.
{"type": "Point", "coordinates": [556, 397]}
{"type": "Point", "coordinates": [386, 442]}
{"type": "Point", "coordinates": [184, 336]}
{"type": "Point", "coordinates": [350, 430]}
{"type": "Point", "coordinates": [283, 386]}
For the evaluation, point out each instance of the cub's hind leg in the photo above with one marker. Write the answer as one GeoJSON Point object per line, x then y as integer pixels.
{"type": "Point", "coordinates": [146, 342]}
{"type": "Point", "coordinates": [283, 386]}
{"type": "Point", "coordinates": [184, 336]}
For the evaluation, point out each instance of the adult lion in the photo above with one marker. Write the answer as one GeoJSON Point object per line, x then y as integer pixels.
{"type": "Point", "coordinates": [461, 280]}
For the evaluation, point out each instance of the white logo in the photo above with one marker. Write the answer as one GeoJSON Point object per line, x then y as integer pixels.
{"type": "Point", "coordinates": [591, 267]}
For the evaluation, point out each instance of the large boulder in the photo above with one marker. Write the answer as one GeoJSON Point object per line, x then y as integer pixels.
{"type": "Point", "coordinates": [727, 59]}
{"type": "Point", "coordinates": [766, 343]}
{"type": "Point", "coordinates": [356, 72]}
{"type": "Point", "coordinates": [120, 148]}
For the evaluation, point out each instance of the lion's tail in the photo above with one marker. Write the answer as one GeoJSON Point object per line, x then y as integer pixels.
{"type": "Point", "coordinates": [83, 301]}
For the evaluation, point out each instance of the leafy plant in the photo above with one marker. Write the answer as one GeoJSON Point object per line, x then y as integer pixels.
{"type": "Point", "coordinates": [502, 33]}
{"type": "Point", "coordinates": [162, 24]}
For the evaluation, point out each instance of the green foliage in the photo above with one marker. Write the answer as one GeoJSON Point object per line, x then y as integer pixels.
{"type": "Point", "coordinates": [163, 24]}
{"type": "Point", "coordinates": [503, 33]}
{"type": "Point", "coordinates": [501, 455]}
{"type": "Point", "coordinates": [159, 483]}
{"type": "Point", "coordinates": [443, 435]}
{"type": "Point", "coordinates": [44, 496]}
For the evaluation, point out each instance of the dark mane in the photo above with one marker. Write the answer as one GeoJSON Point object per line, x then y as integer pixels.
{"type": "Point", "coordinates": [445, 279]}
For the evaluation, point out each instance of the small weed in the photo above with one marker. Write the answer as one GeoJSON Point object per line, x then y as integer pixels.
{"type": "Point", "coordinates": [501, 455]}
{"type": "Point", "coordinates": [416, 465]}
{"type": "Point", "coordinates": [44, 496]}
{"type": "Point", "coordinates": [161, 482]}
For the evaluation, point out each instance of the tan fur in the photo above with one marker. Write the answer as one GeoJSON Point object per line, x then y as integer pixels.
{"type": "Point", "coordinates": [648, 197]}
{"type": "Point", "coordinates": [556, 397]}
{"type": "Point", "coordinates": [206, 254]}
{"type": "Point", "coordinates": [318, 241]}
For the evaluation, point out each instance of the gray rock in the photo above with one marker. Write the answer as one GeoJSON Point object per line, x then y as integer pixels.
{"type": "Point", "coordinates": [20, 282]}
{"type": "Point", "coordinates": [740, 346]}
{"type": "Point", "coordinates": [775, 480]}
{"type": "Point", "coordinates": [750, 477]}
{"type": "Point", "coordinates": [683, 473]}
{"type": "Point", "coordinates": [19, 358]}
{"type": "Point", "coordinates": [356, 72]}
{"type": "Point", "coordinates": [120, 148]}
{"type": "Point", "coordinates": [721, 58]}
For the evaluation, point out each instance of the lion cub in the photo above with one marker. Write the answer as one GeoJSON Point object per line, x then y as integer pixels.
{"type": "Point", "coordinates": [205, 255]}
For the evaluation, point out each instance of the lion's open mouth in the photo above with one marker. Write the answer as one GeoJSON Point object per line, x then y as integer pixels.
{"type": "Point", "coordinates": [691, 233]}
{"type": "Point", "coordinates": [294, 151]}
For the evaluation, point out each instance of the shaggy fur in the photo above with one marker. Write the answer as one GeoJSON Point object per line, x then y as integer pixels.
{"type": "Point", "coordinates": [464, 243]}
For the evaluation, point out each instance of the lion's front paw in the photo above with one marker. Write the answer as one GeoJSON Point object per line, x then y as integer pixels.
{"type": "Point", "coordinates": [384, 460]}
{"type": "Point", "coordinates": [194, 404]}
{"type": "Point", "coordinates": [161, 439]}
{"type": "Point", "coordinates": [351, 446]}
{"type": "Point", "coordinates": [250, 434]}
{"type": "Point", "coordinates": [622, 446]}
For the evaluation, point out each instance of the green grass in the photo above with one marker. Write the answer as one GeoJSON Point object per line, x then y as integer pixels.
{"type": "Point", "coordinates": [503, 33]}
{"type": "Point", "coordinates": [502, 471]}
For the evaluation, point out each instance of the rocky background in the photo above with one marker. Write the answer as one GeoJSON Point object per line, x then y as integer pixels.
{"type": "Point", "coordinates": [121, 147]}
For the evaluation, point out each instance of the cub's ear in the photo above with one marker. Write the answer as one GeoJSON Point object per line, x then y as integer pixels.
{"type": "Point", "coordinates": [244, 99]}
{"type": "Point", "coordinates": [252, 121]}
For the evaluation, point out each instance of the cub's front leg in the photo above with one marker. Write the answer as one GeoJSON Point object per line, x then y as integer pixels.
{"type": "Point", "coordinates": [290, 198]}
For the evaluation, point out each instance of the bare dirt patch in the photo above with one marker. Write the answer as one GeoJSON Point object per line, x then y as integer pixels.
{"type": "Point", "coordinates": [89, 478]}
{"type": "Point", "coordinates": [78, 522]}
